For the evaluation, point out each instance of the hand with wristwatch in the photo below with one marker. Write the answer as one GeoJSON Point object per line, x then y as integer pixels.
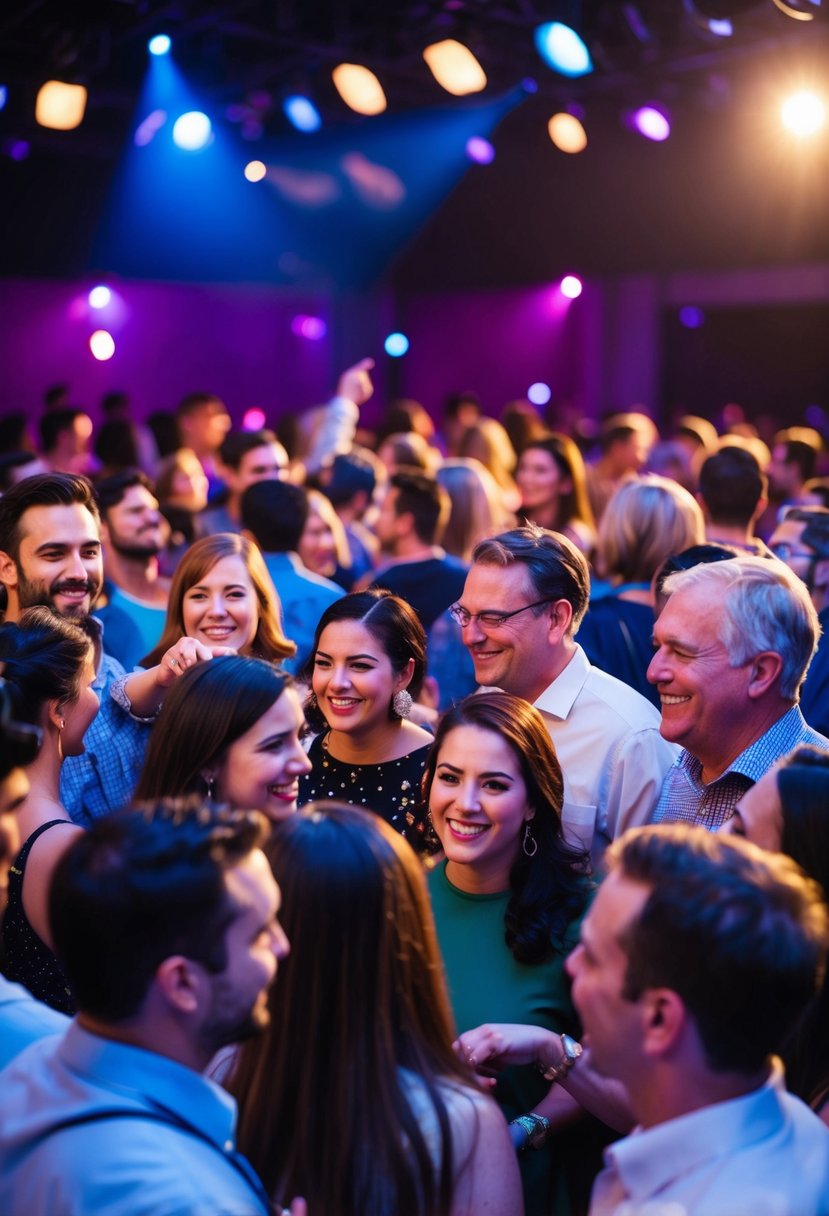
{"type": "Point", "coordinates": [530, 1131]}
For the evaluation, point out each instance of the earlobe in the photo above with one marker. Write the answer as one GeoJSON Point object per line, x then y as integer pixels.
{"type": "Point", "coordinates": [765, 670]}
{"type": "Point", "coordinates": [8, 570]}
{"type": "Point", "coordinates": [179, 981]}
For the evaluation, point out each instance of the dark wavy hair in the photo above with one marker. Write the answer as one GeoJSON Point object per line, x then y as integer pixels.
{"type": "Point", "coordinates": [42, 657]}
{"type": "Point", "coordinates": [549, 889]}
{"type": "Point", "coordinates": [392, 622]}
{"type": "Point", "coordinates": [360, 999]}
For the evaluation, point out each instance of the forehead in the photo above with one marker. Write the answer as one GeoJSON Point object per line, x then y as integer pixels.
{"type": "Point", "coordinates": [475, 747]}
{"type": "Point", "coordinates": [284, 715]}
{"type": "Point", "coordinates": [63, 525]}
{"type": "Point", "coordinates": [496, 586]}
{"type": "Point", "coordinates": [252, 887]}
{"type": "Point", "coordinates": [350, 637]}
{"type": "Point", "coordinates": [227, 570]}
{"type": "Point", "coordinates": [136, 496]}
{"type": "Point", "coordinates": [690, 613]}
{"type": "Point", "coordinates": [618, 903]}
{"type": "Point", "coordinates": [266, 453]}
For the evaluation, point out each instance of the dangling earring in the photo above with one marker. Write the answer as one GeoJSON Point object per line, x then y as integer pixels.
{"type": "Point", "coordinates": [211, 787]}
{"type": "Point", "coordinates": [402, 703]}
{"type": "Point", "coordinates": [529, 844]}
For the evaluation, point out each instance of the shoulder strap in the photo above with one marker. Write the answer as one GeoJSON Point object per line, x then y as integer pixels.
{"type": "Point", "coordinates": [235, 1159]}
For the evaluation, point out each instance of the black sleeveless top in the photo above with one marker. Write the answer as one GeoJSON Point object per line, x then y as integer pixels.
{"type": "Point", "coordinates": [27, 960]}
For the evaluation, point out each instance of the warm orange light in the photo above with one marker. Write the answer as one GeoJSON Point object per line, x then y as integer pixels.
{"type": "Point", "coordinates": [359, 88]}
{"type": "Point", "coordinates": [60, 106]}
{"type": "Point", "coordinates": [255, 170]}
{"type": "Point", "coordinates": [567, 133]}
{"type": "Point", "coordinates": [454, 67]}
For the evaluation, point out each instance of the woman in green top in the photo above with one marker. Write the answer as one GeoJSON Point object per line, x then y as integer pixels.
{"type": "Point", "coordinates": [508, 902]}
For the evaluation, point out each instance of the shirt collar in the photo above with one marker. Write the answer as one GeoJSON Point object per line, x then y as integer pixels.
{"type": "Point", "coordinates": [560, 697]}
{"type": "Point", "coordinates": [148, 1078]}
{"type": "Point", "coordinates": [753, 761]}
{"type": "Point", "coordinates": [649, 1161]}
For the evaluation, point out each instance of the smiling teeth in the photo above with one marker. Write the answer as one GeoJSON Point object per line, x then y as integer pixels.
{"type": "Point", "coordinates": [666, 700]}
{"type": "Point", "coordinates": [342, 702]}
{"type": "Point", "coordinates": [468, 829]}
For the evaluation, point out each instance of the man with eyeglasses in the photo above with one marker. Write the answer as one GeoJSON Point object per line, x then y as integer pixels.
{"type": "Point", "coordinates": [523, 600]}
{"type": "Point", "coordinates": [801, 540]}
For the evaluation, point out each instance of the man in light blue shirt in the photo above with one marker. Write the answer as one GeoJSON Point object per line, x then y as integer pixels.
{"type": "Point", "coordinates": [696, 959]}
{"type": "Point", "coordinates": [165, 920]}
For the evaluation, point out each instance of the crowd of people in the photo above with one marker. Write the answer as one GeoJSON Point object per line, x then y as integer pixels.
{"type": "Point", "coordinates": [412, 823]}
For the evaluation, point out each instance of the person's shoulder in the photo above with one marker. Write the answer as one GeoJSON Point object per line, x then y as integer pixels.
{"type": "Point", "coordinates": [629, 707]}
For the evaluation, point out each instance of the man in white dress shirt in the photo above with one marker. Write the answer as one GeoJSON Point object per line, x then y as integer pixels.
{"type": "Point", "coordinates": [696, 958]}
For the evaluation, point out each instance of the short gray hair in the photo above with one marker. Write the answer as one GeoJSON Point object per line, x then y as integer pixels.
{"type": "Point", "coordinates": [764, 607]}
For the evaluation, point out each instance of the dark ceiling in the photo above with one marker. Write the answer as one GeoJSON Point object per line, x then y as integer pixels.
{"type": "Point", "coordinates": [724, 190]}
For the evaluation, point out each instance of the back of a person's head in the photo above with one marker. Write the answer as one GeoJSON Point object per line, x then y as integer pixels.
{"type": "Point", "coordinates": [116, 444]}
{"type": "Point", "coordinates": [363, 984]}
{"type": "Point", "coordinates": [351, 473]}
{"type": "Point", "coordinates": [275, 513]}
{"type": "Point", "coordinates": [731, 485]}
{"type": "Point", "coordinates": [557, 568]}
{"type": "Point", "coordinates": [140, 886]}
{"type": "Point", "coordinates": [646, 519]}
{"type": "Point", "coordinates": [738, 933]}
{"type": "Point", "coordinates": [42, 657]}
{"type": "Point", "coordinates": [764, 607]}
{"type": "Point", "coordinates": [694, 555]}
{"type": "Point", "coordinates": [42, 490]}
{"type": "Point", "coordinates": [426, 500]}
{"type": "Point", "coordinates": [165, 431]}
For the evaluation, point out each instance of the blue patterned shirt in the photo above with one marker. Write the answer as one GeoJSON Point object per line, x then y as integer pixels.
{"type": "Point", "coordinates": [685, 798]}
{"type": "Point", "coordinates": [103, 778]}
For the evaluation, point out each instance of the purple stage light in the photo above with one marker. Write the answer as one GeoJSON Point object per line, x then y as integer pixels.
{"type": "Point", "coordinates": [480, 150]}
{"type": "Point", "coordinates": [651, 123]}
{"type": "Point", "coordinates": [571, 287]}
{"type": "Point", "coordinates": [312, 328]}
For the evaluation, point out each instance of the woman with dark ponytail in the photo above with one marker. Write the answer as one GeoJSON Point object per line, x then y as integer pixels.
{"type": "Point", "coordinates": [508, 902]}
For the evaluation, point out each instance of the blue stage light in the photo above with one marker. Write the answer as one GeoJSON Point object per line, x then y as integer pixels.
{"type": "Point", "coordinates": [562, 49]}
{"type": "Point", "coordinates": [159, 45]}
{"type": "Point", "coordinates": [302, 113]}
{"type": "Point", "coordinates": [192, 131]}
{"type": "Point", "coordinates": [396, 345]}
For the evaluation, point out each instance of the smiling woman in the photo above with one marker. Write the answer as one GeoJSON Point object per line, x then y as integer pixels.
{"type": "Point", "coordinates": [368, 662]}
{"type": "Point", "coordinates": [230, 729]}
{"type": "Point", "coordinates": [512, 886]}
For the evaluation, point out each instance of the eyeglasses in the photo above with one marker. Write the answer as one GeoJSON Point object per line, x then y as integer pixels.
{"type": "Point", "coordinates": [489, 620]}
{"type": "Point", "coordinates": [784, 551]}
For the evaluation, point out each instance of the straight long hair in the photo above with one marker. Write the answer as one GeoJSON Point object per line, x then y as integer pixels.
{"type": "Point", "coordinates": [269, 641]}
{"type": "Point", "coordinates": [326, 1108]}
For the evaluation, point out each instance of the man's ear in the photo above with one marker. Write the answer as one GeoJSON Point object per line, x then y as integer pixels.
{"type": "Point", "coordinates": [8, 570]}
{"type": "Point", "coordinates": [561, 618]}
{"type": "Point", "coordinates": [180, 981]}
{"type": "Point", "coordinates": [820, 578]}
{"type": "Point", "coordinates": [765, 670]}
{"type": "Point", "coordinates": [664, 1018]}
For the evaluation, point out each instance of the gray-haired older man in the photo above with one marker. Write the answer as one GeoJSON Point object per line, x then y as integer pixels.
{"type": "Point", "coordinates": [733, 642]}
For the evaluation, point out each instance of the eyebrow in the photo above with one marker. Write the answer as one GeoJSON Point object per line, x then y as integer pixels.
{"type": "Point", "coordinates": [493, 773]}
{"type": "Point", "coordinates": [63, 544]}
{"type": "Point", "coordinates": [227, 587]}
{"type": "Point", "coordinates": [350, 657]}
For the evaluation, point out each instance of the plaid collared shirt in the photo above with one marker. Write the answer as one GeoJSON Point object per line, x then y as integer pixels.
{"type": "Point", "coordinates": [686, 799]}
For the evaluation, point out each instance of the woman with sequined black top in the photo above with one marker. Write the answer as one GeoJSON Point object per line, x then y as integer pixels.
{"type": "Point", "coordinates": [367, 663]}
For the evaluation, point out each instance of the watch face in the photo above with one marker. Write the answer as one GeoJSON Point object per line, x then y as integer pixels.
{"type": "Point", "coordinates": [572, 1049]}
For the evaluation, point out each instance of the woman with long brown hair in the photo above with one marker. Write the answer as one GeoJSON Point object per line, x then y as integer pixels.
{"type": "Point", "coordinates": [353, 1097]}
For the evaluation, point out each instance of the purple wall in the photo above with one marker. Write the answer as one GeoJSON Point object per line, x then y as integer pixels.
{"type": "Point", "coordinates": [170, 339]}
